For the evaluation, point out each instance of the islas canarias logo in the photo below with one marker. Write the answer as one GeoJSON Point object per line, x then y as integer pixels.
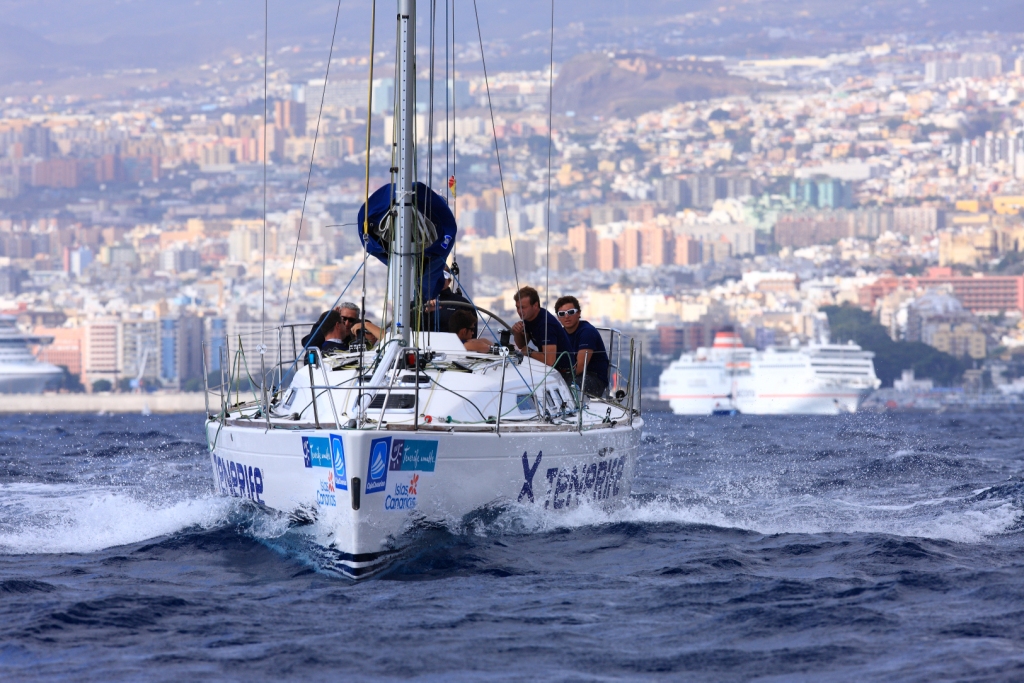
{"type": "Point", "coordinates": [412, 484]}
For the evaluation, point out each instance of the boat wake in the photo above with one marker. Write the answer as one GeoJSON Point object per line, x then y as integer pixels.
{"type": "Point", "coordinates": [71, 518]}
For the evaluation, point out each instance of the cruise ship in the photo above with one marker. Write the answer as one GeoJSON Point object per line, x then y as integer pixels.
{"type": "Point", "coordinates": [20, 372]}
{"type": "Point", "coordinates": [729, 378]}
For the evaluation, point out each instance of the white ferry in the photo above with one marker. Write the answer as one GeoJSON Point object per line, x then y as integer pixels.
{"type": "Point", "coordinates": [20, 372]}
{"type": "Point", "coordinates": [729, 378]}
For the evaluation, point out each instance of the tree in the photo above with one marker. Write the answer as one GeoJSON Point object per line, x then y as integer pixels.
{"type": "Point", "coordinates": [101, 385]}
{"type": "Point", "coordinates": [70, 382]}
{"type": "Point", "coordinates": [849, 323]}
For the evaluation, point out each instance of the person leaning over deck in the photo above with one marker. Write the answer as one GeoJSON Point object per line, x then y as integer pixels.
{"type": "Point", "coordinates": [463, 323]}
{"type": "Point", "coordinates": [341, 330]}
{"type": "Point", "coordinates": [540, 327]}
{"type": "Point", "coordinates": [587, 346]}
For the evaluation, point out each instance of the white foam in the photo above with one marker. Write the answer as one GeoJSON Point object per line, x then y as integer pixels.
{"type": "Point", "coordinates": [47, 518]}
{"type": "Point", "coordinates": [798, 515]}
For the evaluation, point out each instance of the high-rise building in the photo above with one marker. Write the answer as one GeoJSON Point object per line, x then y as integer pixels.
{"type": "Point", "coordinates": [630, 249]}
{"type": "Point", "coordinates": [607, 254]}
{"type": "Point", "coordinates": [702, 190]}
{"type": "Point", "coordinates": [968, 66]}
{"type": "Point", "coordinates": [215, 335]}
{"type": "Point", "coordinates": [583, 241]}
{"type": "Point", "coordinates": [291, 116]}
{"type": "Point", "coordinates": [101, 355]}
{"type": "Point", "coordinates": [917, 220]}
{"type": "Point", "coordinates": [672, 192]}
{"type": "Point", "coordinates": [181, 348]}
{"type": "Point", "coordinates": [140, 345]}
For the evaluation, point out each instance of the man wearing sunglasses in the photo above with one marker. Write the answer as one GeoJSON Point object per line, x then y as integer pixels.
{"type": "Point", "coordinates": [540, 327]}
{"type": "Point", "coordinates": [586, 344]}
{"type": "Point", "coordinates": [336, 330]}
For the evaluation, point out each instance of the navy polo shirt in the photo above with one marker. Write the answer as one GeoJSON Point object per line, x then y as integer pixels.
{"type": "Point", "coordinates": [586, 336]}
{"type": "Point", "coordinates": [545, 330]}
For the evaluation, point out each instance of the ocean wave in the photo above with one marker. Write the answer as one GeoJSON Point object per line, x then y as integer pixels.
{"type": "Point", "coordinates": [962, 521]}
{"type": "Point", "coordinates": [61, 518]}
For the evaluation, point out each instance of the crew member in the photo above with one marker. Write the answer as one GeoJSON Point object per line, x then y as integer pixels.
{"type": "Point", "coordinates": [587, 346]}
{"type": "Point", "coordinates": [540, 327]}
{"type": "Point", "coordinates": [337, 331]}
{"type": "Point", "coordinates": [463, 323]}
{"type": "Point", "coordinates": [437, 313]}
{"type": "Point", "coordinates": [343, 333]}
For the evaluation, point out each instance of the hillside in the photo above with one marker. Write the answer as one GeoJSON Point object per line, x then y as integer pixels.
{"type": "Point", "coordinates": [598, 84]}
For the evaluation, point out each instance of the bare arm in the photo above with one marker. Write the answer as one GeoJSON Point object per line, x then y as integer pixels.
{"type": "Point", "coordinates": [548, 356]}
{"type": "Point", "coordinates": [368, 326]}
{"type": "Point", "coordinates": [519, 334]}
{"type": "Point", "coordinates": [582, 358]}
{"type": "Point", "coordinates": [478, 345]}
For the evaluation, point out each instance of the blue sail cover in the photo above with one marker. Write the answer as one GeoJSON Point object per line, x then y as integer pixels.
{"type": "Point", "coordinates": [431, 205]}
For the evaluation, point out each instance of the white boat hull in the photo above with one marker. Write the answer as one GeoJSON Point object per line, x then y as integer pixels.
{"type": "Point", "coordinates": [822, 402]}
{"type": "Point", "coordinates": [28, 379]}
{"type": "Point", "coordinates": [405, 476]}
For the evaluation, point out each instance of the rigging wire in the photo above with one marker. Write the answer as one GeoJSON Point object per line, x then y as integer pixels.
{"type": "Point", "coordinates": [430, 104]}
{"type": "Point", "coordinates": [497, 153]}
{"type": "Point", "coordinates": [547, 217]}
{"type": "Point", "coordinates": [551, 92]}
{"type": "Point", "coordinates": [266, 99]}
{"type": "Point", "coordinates": [312, 156]}
{"type": "Point", "coordinates": [366, 194]}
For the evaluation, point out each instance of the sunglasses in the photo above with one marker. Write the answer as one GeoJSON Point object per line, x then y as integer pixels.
{"type": "Point", "coordinates": [568, 311]}
{"type": "Point", "coordinates": [350, 321]}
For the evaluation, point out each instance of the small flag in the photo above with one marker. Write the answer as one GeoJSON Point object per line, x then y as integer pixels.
{"type": "Point", "coordinates": [451, 185]}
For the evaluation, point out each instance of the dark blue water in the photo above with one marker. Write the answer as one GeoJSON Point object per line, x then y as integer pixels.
{"type": "Point", "coordinates": [855, 548]}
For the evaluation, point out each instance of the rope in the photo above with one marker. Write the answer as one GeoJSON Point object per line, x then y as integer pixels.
{"type": "Point", "coordinates": [312, 155]}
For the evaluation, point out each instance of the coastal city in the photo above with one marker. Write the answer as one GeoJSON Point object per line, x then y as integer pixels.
{"type": "Point", "coordinates": [465, 341]}
{"type": "Point", "coordinates": [795, 192]}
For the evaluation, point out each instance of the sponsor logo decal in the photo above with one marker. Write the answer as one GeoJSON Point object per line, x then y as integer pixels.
{"type": "Point", "coordinates": [404, 497]}
{"type": "Point", "coordinates": [338, 459]}
{"type": "Point", "coordinates": [528, 474]}
{"type": "Point", "coordinates": [325, 494]}
{"type": "Point", "coordinates": [238, 480]}
{"type": "Point", "coordinates": [409, 455]}
{"type": "Point", "coordinates": [316, 451]}
{"type": "Point", "coordinates": [377, 468]}
{"type": "Point", "coordinates": [596, 481]}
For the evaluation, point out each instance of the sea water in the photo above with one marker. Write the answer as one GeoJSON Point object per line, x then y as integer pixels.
{"type": "Point", "coordinates": [864, 547]}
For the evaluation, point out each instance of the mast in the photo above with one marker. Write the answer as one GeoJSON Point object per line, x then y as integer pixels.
{"type": "Point", "coordinates": [405, 115]}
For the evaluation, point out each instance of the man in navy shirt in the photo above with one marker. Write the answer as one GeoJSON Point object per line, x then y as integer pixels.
{"type": "Point", "coordinates": [587, 346]}
{"type": "Point", "coordinates": [541, 328]}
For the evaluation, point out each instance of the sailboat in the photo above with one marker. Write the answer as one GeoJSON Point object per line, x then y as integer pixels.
{"type": "Point", "coordinates": [371, 442]}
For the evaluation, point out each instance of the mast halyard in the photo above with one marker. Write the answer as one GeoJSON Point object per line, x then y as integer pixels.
{"type": "Point", "coordinates": [405, 95]}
